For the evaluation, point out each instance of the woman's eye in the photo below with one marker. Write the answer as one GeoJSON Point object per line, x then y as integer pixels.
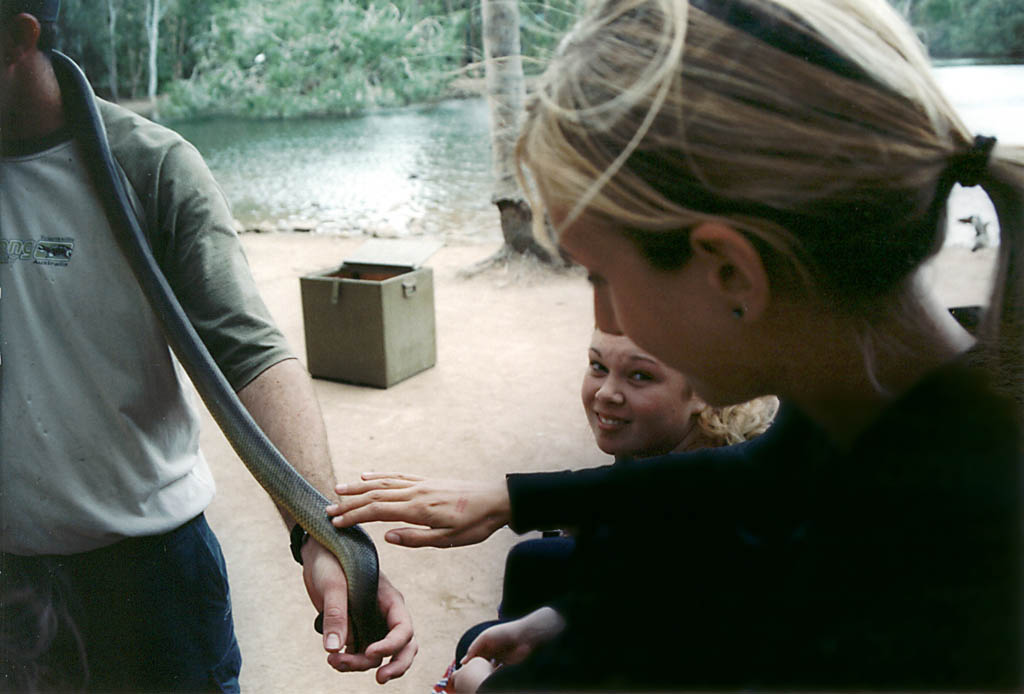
{"type": "Point", "coordinates": [641, 376]}
{"type": "Point", "coordinates": [598, 368]}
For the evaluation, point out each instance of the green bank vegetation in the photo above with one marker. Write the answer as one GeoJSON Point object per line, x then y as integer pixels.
{"type": "Point", "coordinates": [290, 58]}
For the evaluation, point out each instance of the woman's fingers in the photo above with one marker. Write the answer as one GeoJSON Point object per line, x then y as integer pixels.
{"type": "Point", "coordinates": [423, 537]}
{"type": "Point", "coordinates": [371, 484]}
{"type": "Point", "coordinates": [374, 511]}
{"type": "Point", "coordinates": [381, 497]}
{"type": "Point", "coordinates": [398, 476]}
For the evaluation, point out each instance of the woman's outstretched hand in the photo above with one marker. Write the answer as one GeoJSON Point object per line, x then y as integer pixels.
{"type": "Point", "coordinates": [454, 512]}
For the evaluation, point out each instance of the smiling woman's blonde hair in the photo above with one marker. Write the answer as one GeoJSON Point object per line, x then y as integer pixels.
{"type": "Point", "coordinates": [724, 426]}
{"type": "Point", "coordinates": [815, 127]}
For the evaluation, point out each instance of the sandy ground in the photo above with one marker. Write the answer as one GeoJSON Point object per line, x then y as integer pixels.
{"type": "Point", "coordinates": [503, 397]}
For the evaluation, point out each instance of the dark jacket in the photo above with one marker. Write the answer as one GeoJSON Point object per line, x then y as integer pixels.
{"type": "Point", "coordinates": [787, 563]}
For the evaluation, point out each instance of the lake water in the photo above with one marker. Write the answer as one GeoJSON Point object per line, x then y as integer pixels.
{"type": "Point", "coordinates": [426, 170]}
{"type": "Point", "coordinates": [420, 170]}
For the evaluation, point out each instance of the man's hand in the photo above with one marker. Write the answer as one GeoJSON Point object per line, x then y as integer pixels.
{"type": "Point", "coordinates": [328, 590]}
{"type": "Point", "coordinates": [455, 512]}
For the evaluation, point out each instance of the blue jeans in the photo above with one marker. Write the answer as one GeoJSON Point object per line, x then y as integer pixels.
{"type": "Point", "coordinates": [144, 614]}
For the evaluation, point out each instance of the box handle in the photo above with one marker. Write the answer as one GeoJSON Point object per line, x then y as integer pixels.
{"type": "Point", "coordinates": [408, 287]}
{"type": "Point", "coordinates": [335, 288]}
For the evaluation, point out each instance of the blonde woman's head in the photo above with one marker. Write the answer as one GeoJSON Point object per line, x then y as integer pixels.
{"type": "Point", "coordinates": [812, 127]}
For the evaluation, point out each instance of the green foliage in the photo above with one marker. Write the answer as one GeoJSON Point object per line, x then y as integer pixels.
{"type": "Point", "coordinates": [968, 28]}
{"type": "Point", "coordinates": [297, 57]}
{"type": "Point", "coordinates": [543, 24]}
{"type": "Point", "coordinates": [303, 57]}
{"type": "Point", "coordinates": [294, 57]}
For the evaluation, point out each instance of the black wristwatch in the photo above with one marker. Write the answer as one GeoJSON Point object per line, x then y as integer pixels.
{"type": "Point", "coordinates": [298, 539]}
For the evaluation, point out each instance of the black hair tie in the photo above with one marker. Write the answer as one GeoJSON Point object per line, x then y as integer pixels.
{"type": "Point", "coordinates": [968, 167]}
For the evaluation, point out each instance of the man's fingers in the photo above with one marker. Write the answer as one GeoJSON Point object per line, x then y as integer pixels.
{"type": "Point", "coordinates": [399, 643]}
{"type": "Point", "coordinates": [399, 663]}
{"type": "Point", "coordinates": [335, 621]}
{"type": "Point", "coordinates": [352, 662]}
{"type": "Point", "coordinates": [396, 639]}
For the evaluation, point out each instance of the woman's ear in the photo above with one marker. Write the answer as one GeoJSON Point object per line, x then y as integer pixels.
{"type": "Point", "coordinates": [735, 271]}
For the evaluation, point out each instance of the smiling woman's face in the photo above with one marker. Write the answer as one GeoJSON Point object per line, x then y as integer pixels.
{"type": "Point", "coordinates": [636, 406]}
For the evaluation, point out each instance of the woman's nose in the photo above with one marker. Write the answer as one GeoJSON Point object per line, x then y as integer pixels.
{"type": "Point", "coordinates": [610, 392]}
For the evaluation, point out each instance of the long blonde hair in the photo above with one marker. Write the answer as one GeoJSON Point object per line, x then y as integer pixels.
{"type": "Point", "coordinates": [813, 126]}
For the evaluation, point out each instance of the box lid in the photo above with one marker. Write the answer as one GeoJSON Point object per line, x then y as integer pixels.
{"type": "Point", "coordinates": [411, 253]}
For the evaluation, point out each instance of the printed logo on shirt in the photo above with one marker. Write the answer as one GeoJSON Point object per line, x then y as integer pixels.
{"type": "Point", "coordinates": [47, 251]}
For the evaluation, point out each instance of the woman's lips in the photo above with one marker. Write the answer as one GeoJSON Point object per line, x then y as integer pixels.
{"type": "Point", "coordinates": [609, 423]}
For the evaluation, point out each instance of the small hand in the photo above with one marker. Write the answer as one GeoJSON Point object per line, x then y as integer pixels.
{"type": "Point", "coordinates": [471, 675]}
{"type": "Point", "coordinates": [513, 642]}
{"type": "Point", "coordinates": [455, 512]}
{"type": "Point", "coordinates": [328, 590]}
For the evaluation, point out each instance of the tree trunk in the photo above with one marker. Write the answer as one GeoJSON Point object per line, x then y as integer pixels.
{"type": "Point", "coordinates": [506, 94]}
{"type": "Point", "coordinates": [154, 28]}
{"type": "Point", "coordinates": [112, 47]}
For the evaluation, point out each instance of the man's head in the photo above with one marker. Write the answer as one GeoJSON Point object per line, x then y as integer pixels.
{"type": "Point", "coordinates": [45, 12]}
{"type": "Point", "coordinates": [30, 99]}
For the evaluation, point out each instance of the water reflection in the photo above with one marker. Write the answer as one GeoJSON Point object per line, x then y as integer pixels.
{"type": "Point", "coordinates": [426, 170]}
{"type": "Point", "coordinates": [411, 171]}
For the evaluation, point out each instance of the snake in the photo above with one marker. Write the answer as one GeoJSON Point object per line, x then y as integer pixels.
{"type": "Point", "coordinates": [354, 549]}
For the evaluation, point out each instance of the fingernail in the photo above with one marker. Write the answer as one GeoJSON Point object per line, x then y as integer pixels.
{"type": "Point", "coordinates": [341, 488]}
{"type": "Point", "coordinates": [333, 642]}
{"type": "Point", "coordinates": [331, 508]}
{"type": "Point", "coordinates": [393, 538]}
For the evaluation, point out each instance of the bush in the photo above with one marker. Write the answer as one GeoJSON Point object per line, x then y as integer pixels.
{"type": "Point", "coordinates": [303, 58]}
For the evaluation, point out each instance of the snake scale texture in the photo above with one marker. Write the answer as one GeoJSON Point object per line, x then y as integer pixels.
{"type": "Point", "coordinates": [352, 546]}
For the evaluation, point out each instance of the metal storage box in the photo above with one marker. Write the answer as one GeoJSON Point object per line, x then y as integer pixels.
{"type": "Point", "coordinates": [371, 320]}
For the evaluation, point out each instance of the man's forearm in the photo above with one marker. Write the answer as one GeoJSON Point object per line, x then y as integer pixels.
{"type": "Point", "coordinates": [282, 401]}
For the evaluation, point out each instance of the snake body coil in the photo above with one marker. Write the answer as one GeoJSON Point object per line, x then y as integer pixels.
{"type": "Point", "coordinates": [352, 546]}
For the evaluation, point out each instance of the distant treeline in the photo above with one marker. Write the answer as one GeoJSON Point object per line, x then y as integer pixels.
{"type": "Point", "coordinates": [310, 57]}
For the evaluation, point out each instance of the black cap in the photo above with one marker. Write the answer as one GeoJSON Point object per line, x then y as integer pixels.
{"type": "Point", "coordinates": [43, 10]}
